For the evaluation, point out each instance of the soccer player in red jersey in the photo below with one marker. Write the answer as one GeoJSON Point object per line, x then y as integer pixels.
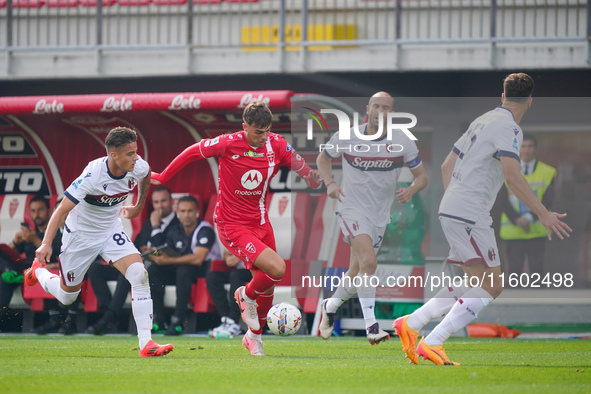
{"type": "Point", "coordinates": [248, 160]}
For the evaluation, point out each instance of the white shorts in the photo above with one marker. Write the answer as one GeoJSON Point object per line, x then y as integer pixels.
{"type": "Point", "coordinates": [80, 249]}
{"type": "Point", "coordinates": [469, 244]}
{"type": "Point", "coordinates": [354, 227]}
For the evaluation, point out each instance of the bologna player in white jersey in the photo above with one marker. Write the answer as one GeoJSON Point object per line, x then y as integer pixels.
{"type": "Point", "coordinates": [248, 159]}
{"type": "Point", "coordinates": [366, 194]}
{"type": "Point", "coordinates": [92, 205]}
{"type": "Point", "coordinates": [485, 155]}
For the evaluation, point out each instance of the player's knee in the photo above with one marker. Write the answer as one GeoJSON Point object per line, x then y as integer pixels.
{"type": "Point", "coordinates": [65, 297]}
{"type": "Point", "coordinates": [495, 287]}
{"type": "Point", "coordinates": [277, 269]}
{"type": "Point", "coordinates": [496, 290]}
{"type": "Point", "coordinates": [137, 275]}
{"type": "Point", "coordinates": [368, 265]}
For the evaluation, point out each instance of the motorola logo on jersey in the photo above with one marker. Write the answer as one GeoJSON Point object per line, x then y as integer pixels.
{"type": "Point", "coordinates": [251, 179]}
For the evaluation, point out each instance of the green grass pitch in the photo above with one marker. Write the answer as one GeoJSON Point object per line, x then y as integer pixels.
{"type": "Point", "coordinates": [82, 364]}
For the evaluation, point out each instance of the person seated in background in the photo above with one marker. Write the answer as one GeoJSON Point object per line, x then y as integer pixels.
{"type": "Point", "coordinates": [228, 310]}
{"type": "Point", "coordinates": [26, 241]}
{"type": "Point", "coordinates": [159, 223]}
{"type": "Point", "coordinates": [195, 243]}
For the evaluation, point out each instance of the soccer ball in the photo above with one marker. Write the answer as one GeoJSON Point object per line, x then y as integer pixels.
{"type": "Point", "coordinates": [284, 319]}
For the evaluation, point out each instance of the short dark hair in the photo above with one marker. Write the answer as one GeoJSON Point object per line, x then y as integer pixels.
{"type": "Point", "coordinates": [119, 137]}
{"type": "Point", "coordinates": [518, 87]}
{"type": "Point", "coordinates": [528, 136]}
{"type": "Point", "coordinates": [189, 198]}
{"type": "Point", "coordinates": [162, 189]}
{"type": "Point", "coordinates": [257, 114]}
{"type": "Point", "coordinates": [41, 199]}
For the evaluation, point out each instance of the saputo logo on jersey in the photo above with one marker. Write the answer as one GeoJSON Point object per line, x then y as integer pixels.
{"type": "Point", "coordinates": [251, 180]}
{"type": "Point", "coordinates": [345, 131]}
{"type": "Point", "coordinates": [103, 200]}
{"type": "Point", "coordinates": [374, 164]}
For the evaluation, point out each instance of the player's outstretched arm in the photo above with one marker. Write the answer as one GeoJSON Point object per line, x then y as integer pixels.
{"type": "Point", "coordinates": [296, 162]}
{"type": "Point", "coordinates": [192, 153]}
{"type": "Point", "coordinates": [522, 190]}
{"type": "Point", "coordinates": [43, 252]}
{"type": "Point", "coordinates": [130, 212]}
{"type": "Point", "coordinates": [405, 194]}
{"type": "Point", "coordinates": [324, 164]}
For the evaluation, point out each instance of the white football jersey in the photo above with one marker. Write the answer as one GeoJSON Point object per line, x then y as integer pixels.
{"type": "Point", "coordinates": [478, 173]}
{"type": "Point", "coordinates": [370, 172]}
{"type": "Point", "coordinates": [99, 195]}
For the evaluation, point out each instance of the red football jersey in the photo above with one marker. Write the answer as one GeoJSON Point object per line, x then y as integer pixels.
{"type": "Point", "coordinates": [244, 173]}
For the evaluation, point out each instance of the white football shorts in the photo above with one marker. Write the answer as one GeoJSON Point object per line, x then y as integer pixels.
{"type": "Point", "coordinates": [469, 244]}
{"type": "Point", "coordinates": [80, 249]}
{"type": "Point", "coordinates": [352, 227]}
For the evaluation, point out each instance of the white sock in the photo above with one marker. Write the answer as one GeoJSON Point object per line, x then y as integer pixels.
{"type": "Point", "coordinates": [345, 291]}
{"type": "Point", "coordinates": [243, 294]}
{"type": "Point", "coordinates": [51, 284]}
{"type": "Point", "coordinates": [463, 312]}
{"type": "Point", "coordinates": [367, 299]}
{"type": "Point", "coordinates": [253, 336]}
{"type": "Point", "coordinates": [436, 307]}
{"type": "Point", "coordinates": [141, 302]}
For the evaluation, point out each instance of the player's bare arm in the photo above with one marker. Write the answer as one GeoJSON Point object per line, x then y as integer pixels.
{"type": "Point", "coordinates": [43, 252]}
{"type": "Point", "coordinates": [130, 212]}
{"type": "Point", "coordinates": [324, 164]}
{"type": "Point", "coordinates": [187, 156]}
{"type": "Point", "coordinates": [447, 168]}
{"type": "Point", "coordinates": [405, 194]}
{"type": "Point", "coordinates": [522, 190]}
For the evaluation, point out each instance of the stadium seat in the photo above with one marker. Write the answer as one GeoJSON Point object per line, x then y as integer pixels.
{"type": "Point", "coordinates": [200, 298]}
{"type": "Point", "coordinates": [24, 3]}
{"type": "Point", "coordinates": [168, 2]}
{"type": "Point", "coordinates": [34, 295]}
{"type": "Point", "coordinates": [92, 3]}
{"type": "Point", "coordinates": [133, 3]}
{"type": "Point", "coordinates": [63, 3]}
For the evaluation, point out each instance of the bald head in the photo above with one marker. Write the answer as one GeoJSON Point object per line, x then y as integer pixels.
{"type": "Point", "coordinates": [381, 95]}
{"type": "Point", "coordinates": [377, 109]}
